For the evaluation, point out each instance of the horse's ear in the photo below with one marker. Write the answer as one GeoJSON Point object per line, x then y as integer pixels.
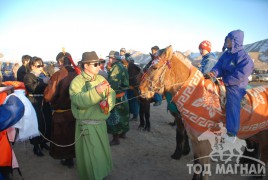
{"type": "Point", "coordinates": [169, 52]}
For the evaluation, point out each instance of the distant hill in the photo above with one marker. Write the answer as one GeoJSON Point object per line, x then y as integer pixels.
{"type": "Point", "coordinates": [259, 46]}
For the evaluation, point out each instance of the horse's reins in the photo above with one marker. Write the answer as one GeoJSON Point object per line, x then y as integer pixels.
{"type": "Point", "coordinates": [165, 65]}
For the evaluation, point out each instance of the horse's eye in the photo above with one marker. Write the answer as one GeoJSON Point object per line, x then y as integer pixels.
{"type": "Point", "coordinates": [154, 68]}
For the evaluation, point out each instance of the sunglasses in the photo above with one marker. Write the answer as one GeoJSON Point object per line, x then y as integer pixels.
{"type": "Point", "coordinates": [39, 66]}
{"type": "Point", "coordinates": [95, 64]}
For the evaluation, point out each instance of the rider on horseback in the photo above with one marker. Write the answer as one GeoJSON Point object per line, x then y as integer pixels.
{"type": "Point", "coordinates": [234, 66]}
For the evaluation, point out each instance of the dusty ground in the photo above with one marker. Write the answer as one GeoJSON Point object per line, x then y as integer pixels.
{"type": "Point", "coordinates": [142, 156]}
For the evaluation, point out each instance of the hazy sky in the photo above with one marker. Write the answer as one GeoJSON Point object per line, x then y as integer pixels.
{"type": "Point", "coordinates": [42, 27]}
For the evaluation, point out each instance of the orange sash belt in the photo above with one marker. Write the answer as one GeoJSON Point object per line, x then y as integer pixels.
{"type": "Point", "coordinates": [61, 110]}
{"type": "Point", "coordinates": [120, 95]}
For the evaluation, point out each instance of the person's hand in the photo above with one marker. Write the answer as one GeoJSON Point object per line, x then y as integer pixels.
{"type": "Point", "coordinates": [102, 87]}
{"type": "Point", "coordinates": [45, 80]}
{"type": "Point", "coordinates": [209, 75]}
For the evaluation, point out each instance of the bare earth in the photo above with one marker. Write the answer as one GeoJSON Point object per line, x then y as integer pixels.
{"type": "Point", "coordinates": [141, 156]}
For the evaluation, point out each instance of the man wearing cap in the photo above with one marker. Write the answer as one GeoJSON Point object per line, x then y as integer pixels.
{"type": "Point", "coordinates": [208, 58]}
{"type": "Point", "coordinates": [123, 57]}
{"type": "Point", "coordinates": [63, 121]}
{"type": "Point", "coordinates": [88, 91]}
{"type": "Point", "coordinates": [122, 52]}
{"type": "Point", "coordinates": [157, 97]}
{"type": "Point", "coordinates": [119, 79]}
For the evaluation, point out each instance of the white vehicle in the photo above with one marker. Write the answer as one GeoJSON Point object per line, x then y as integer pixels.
{"type": "Point", "coordinates": [250, 78]}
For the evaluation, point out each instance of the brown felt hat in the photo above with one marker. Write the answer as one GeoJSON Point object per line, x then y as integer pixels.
{"type": "Point", "coordinates": [90, 57]}
{"type": "Point", "coordinates": [114, 54]}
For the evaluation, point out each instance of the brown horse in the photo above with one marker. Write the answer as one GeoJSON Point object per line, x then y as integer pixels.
{"type": "Point", "coordinates": [182, 142]}
{"type": "Point", "coordinates": [199, 102]}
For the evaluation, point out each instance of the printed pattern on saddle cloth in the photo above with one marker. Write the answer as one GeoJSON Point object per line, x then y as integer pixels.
{"type": "Point", "coordinates": [198, 101]}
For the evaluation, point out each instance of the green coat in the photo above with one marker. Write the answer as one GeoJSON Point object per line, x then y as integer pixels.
{"type": "Point", "coordinates": [93, 151]}
{"type": "Point", "coordinates": [119, 80]}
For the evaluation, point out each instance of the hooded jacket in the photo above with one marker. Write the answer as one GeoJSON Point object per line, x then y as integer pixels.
{"type": "Point", "coordinates": [235, 65]}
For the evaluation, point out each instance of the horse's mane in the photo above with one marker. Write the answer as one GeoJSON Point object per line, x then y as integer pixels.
{"type": "Point", "coordinates": [134, 72]}
{"type": "Point", "coordinates": [183, 58]}
{"type": "Point", "coordinates": [132, 65]}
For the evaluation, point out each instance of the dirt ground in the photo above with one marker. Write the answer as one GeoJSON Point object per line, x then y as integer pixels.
{"type": "Point", "coordinates": [141, 156]}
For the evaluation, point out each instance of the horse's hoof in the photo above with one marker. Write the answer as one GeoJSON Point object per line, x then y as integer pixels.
{"type": "Point", "coordinates": [172, 124]}
{"type": "Point", "coordinates": [175, 156]}
{"type": "Point", "coordinates": [186, 151]}
{"type": "Point", "coordinates": [147, 129]}
{"type": "Point", "coordinates": [141, 127]}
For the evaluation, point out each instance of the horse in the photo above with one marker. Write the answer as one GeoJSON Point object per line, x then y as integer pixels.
{"type": "Point", "coordinates": [182, 142]}
{"type": "Point", "coordinates": [199, 102]}
{"type": "Point", "coordinates": [135, 75]}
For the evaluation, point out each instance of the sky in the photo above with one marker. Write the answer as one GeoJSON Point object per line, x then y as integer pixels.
{"type": "Point", "coordinates": [42, 27]}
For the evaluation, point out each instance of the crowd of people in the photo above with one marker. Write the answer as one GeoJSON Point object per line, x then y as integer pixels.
{"type": "Point", "coordinates": [77, 106]}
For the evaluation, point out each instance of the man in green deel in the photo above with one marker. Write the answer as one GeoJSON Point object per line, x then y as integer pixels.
{"type": "Point", "coordinates": [119, 79]}
{"type": "Point", "coordinates": [87, 92]}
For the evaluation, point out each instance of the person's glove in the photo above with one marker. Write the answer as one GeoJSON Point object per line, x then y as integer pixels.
{"type": "Point", "coordinates": [209, 75]}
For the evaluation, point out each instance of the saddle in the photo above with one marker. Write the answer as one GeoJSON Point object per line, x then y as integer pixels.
{"type": "Point", "coordinates": [222, 93]}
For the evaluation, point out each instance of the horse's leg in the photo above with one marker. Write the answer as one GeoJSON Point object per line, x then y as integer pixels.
{"type": "Point", "coordinates": [182, 142]}
{"type": "Point", "coordinates": [141, 113]}
{"type": "Point", "coordinates": [147, 116]}
{"type": "Point", "coordinates": [255, 153]}
{"type": "Point", "coordinates": [263, 149]}
{"type": "Point", "coordinates": [200, 149]}
{"type": "Point", "coordinates": [186, 147]}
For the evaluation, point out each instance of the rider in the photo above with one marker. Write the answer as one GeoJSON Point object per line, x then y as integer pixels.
{"type": "Point", "coordinates": [208, 58]}
{"type": "Point", "coordinates": [234, 66]}
{"type": "Point", "coordinates": [157, 97]}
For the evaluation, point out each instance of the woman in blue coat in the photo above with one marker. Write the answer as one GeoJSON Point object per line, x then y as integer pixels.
{"type": "Point", "coordinates": [234, 66]}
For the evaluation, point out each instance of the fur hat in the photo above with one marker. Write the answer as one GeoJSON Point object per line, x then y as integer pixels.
{"type": "Point", "coordinates": [61, 54]}
{"type": "Point", "coordinates": [155, 48]}
{"type": "Point", "coordinates": [89, 57]}
{"type": "Point", "coordinates": [205, 45]}
{"type": "Point", "coordinates": [115, 54]}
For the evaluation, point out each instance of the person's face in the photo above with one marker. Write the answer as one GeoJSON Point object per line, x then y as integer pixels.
{"type": "Point", "coordinates": [60, 62]}
{"type": "Point", "coordinates": [92, 68]}
{"type": "Point", "coordinates": [154, 51]}
{"type": "Point", "coordinates": [111, 60]}
{"type": "Point", "coordinates": [203, 52]}
{"type": "Point", "coordinates": [26, 61]}
{"type": "Point", "coordinates": [229, 43]}
{"type": "Point", "coordinates": [38, 67]}
{"type": "Point", "coordinates": [122, 53]}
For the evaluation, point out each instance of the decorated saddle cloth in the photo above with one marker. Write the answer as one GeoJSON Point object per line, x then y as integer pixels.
{"type": "Point", "coordinates": [199, 102]}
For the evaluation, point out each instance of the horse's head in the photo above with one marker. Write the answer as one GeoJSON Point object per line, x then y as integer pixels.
{"type": "Point", "coordinates": [165, 74]}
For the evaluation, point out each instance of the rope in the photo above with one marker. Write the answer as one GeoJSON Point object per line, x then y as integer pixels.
{"type": "Point", "coordinates": [62, 145]}
{"type": "Point", "coordinates": [83, 129]}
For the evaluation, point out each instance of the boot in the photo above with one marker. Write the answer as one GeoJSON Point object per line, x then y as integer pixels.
{"type": "Point", "coordinates": [37, 150]}
{"type": "Point", "coordinates": [67, 162]}
{"type": "Point", "coordinates": [115, 140]}
{"type": "Point", "coordinates": [45, 146]}
{"type": "Point", "coordinates": [123, 135]}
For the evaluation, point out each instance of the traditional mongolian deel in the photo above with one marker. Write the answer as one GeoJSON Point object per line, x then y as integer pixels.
{"type": "Point", "coordinates": [199, 104]}
{"type": "Point", "coordinates": [93, 153]}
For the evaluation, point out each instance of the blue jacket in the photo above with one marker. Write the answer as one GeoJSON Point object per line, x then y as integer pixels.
{"type": "Point", "coordinates": [207, 63]}
{"type": "Point", "coordinates": [7, 69]}
{"type": "Point", "coordinates": [235, 65]}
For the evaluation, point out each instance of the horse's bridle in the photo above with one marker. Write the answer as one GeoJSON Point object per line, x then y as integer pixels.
{"type": "Point", "coordinates": [153, 84]}
{"type": "Point", "coordinates": [161, 78]}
